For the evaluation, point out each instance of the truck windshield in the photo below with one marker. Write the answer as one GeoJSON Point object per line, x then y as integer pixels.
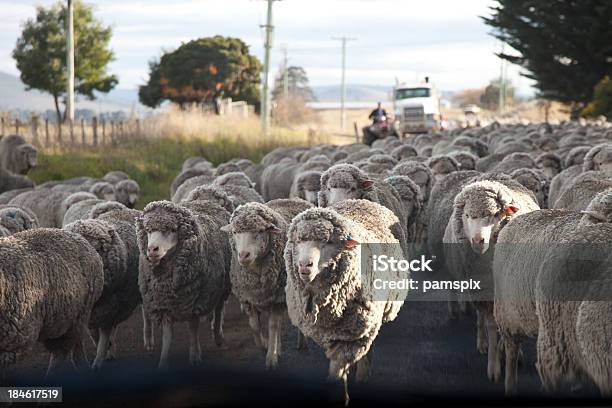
{"type": "Point", "coordinates": [412, 93]}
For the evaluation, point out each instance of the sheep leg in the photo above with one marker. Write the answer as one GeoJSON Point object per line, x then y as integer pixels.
{"type": "Point", "coordinates": [79, 354]}
{"type": "Point", "coordinates": [302, 342]}
{"type": "Point", "coordinates": [274, 332]}
{"type": "Point", "coordinates": [453, 307]}
{"type": "Point", "coordinates": [57, 359]}
{"type": "Point", "coordinates": [217, 324]}
{"type": "Point", "coordinates": [195, 351]}
{"type": "Point", "coordinates": [147, 331]}
{"type": "Point", "coordinates": [481, 334]}
{"type": "Point", "coordinates": [511, 346]}
{"type": "Point", "coordinates": [111, 355]}
{"type": "Point", "coordinates": [167, 331]}
{"type": "Point", "coordinates": [493, 357]}
{"type": "Point", "coordinates": [103, 346]}
{"type": "Point", "coordinates": [256, 329]}
{"type": "Point", "coordinates": [338, 371]}
{"type": "Point", "coordinates": [363, 368]}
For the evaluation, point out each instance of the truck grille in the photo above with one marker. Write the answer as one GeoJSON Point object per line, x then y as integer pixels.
{"type": "Point", "coordinates": [416, 114]}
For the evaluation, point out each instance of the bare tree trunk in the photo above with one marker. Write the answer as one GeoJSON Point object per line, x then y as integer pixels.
{"type": "Point", "coordinates": [57, 108]}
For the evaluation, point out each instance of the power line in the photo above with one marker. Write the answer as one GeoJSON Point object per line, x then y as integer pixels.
{"type": "Point", "coordinates": [344, 40]}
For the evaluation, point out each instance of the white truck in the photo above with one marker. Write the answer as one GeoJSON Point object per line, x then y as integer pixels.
{"type": "Point", "coordinates": [416, 108]}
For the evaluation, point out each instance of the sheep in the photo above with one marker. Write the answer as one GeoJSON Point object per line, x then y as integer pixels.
{"type": "Point", "coordinates": [49, 280]}
{"type": "Point", "coordinates": [258, 275]}
{"type": "Point", "coordinates": [515, 161]}
{"type": "Point", "coordinates": [195, 161]}
{"type": "Point", "coordinates": [127, 192]}
{"type": "Point", "coordinates": [10, 194]}
{"type": "Point", "coordinates": [225, 168]}
{"type": "Point", "coordinates": [186, 175]}
{"type": "Point", "coordinates": [10, 181]}
{"type": "Point", "coordinates": [420, 173]}
{"type": "Point", "coordinates": [560, 181]}
{"type": "Point", "coordinates": [15, 219]}
{"type": "Point", "coordinates": [412, 203]}
{"type": "Point", "coordinates": [113, 177]}
{"type": "Point", "coordinates": [80, 210]}
{"type": "Point", "coordinates": [16, 155]}
{"type": "Point", "coordinates": [307, 186]}
{"type": "Point", "coordinates": [191, 183]}
{"type": "Point", "coordinates": [481, 211]}
{"type": "Point", "coordinates": [235, 179]}
{"type": "Point", "coordinates": [276, 179]}
{"type": "Point", "coordinates": [467, 161]}
{"type": "Point", "coordinates": [72, 199]}
{"type": "Point", "coordinates": [120, 294]}
{"type": "Point", "coordinates": [533, 180]}
{"type": "Point", "coordinates": [362, 155]}
{"type": "Point", "coordinates": [403, 152]}
{"type": "Point", "coordinates": [329, 296]}
{"type": "Point", "coordinates": [549, 163]}
{"type": "Point", "coordinates": [487, 163]}
{"type": "Point", "coordinates": [576, 156]}
{"type": "Point", "coordinates": [183, 276]}
{"type": "Point", "coordinates": [241, 195]}
{"type": "Point", "coordinates": [578, 193]}
{"type": "Point", "coordinates": [103, 190]}
{"type": "Point", "coordinates": [442, 165]}
{"type": "Point", "coordinates": [599, 209]}
{"type": "Point", "coordinates": [47, 205]}
{"type": "Point", "coordinates": [599, 158]}
{"type": "Point", "coordinates": [213, 195]}
{"type": "Point", "coordinates": [345, 181]}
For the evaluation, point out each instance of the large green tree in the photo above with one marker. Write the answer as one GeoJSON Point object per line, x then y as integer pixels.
{"type": "Point", "coordinates": [490, 97]}
{"type": "Point", "coordinates": [602, 100]}
{"type": "Point", "coordinates": [40, 52]}
{"type": "Point", "coordinates": [564, 45]}
{"type": "Point", "coordinates": [297, 84]}
{"type": "Point", "coordinates": [202, 70]}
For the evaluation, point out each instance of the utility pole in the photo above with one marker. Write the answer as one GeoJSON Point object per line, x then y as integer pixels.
{"type": "Point", "coordinates": [344, 40]}
{"type": "Point", "coordinates": [502, 84]}
{"type": "Point", "coordinates": [70, 62]}
{"type": "Point", "coordinates": [265, 93]}
{"type": "Point", "coordinates": [285, 72]}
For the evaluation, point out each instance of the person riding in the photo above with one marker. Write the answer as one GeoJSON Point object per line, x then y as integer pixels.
{"type": "Point", "coordinates": [378, 113]}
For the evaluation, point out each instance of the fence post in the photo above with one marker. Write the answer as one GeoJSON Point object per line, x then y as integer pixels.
{"type": "Point", "coordinates": [47, 141]}
{"type": "Point", "coordinates": [112, 131]}
{"type": "Point", "coordinates": [356, 132]}
{"type": "Point", "coordinates": [2, 122]}
{"type": "Point", "coordinates": [137, 127]}
{"type": "Point", "coordinates": [59, 132]}
{"type": "Point", "coordinates": [103, 131]}
{"type": "Point", "coordinates": [34, 123]}
{"type": "Point", "coordinates": [71, 127]}
{"type": "Point", "coordinates": [83, 131]}
{"type": "Point", "coordinates": [17, 124]}
{"type": "Point", "coordinates": [94, 124]}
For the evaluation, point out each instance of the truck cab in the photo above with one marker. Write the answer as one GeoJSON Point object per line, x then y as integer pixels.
{"type": "Point", "coordinates": [416, 108]}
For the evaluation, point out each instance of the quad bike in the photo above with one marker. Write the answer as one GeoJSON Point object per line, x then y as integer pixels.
{"type": "Point", "coordinates": [380, 129]}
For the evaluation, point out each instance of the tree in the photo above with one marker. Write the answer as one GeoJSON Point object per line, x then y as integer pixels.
{"type": "Point", "coordinates": [297, 84]}
{"type": "Point", "coordinates": [602, 100]}
{"type": "Point", "coordinates": [468, 97]}
{"type": "Point", "coordinates": [564, 45]}
{"type": "Point", "coordinates": [490, 97]}
{"type": "Point", "coordinates": [40, 53]}
{"type": "Point", "coordinates": [201, 71]}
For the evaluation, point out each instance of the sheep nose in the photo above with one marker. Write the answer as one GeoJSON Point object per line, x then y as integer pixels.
{"type": "Point", "coordinates": [153, 250]}
{"type": "Point", "coordinates": [244, 256]}
{"type": "Point", "coordinates": [305, 264]}
{"type": "Point", "coordinates": [478, 241]}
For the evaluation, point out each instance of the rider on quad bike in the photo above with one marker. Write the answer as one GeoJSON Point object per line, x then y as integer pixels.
{"type": "Point", "coordinates": [380, 128]}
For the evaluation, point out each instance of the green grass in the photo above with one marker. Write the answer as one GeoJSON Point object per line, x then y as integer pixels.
{"type": "Point", "coordinates": [153, 163]}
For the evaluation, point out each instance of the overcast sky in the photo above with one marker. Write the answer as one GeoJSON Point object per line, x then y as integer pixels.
{"type": "Point", "coordinates": [407, 39]}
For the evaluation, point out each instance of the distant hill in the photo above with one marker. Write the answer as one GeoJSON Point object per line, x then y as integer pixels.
{"type": "Point", "coordinates": [354, 93]}
{"type": "Point", "coordinates": [14, 96]}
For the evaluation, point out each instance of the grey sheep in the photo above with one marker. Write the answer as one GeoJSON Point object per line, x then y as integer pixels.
{"type": "Point", "coordinates": [186, 187]}
{"type": "Point", "coordinates": [127, 192]}
{"type": "Point", "coordinates": [186, 175]}
{"type": "Point", "coordinates": [560, 181]}
{"type": "Point", "coordinates": [403, 152]}
{"type": "Point", "coordinates": [258, 276]}
{"type": "Point", "coordinates": [50, 280]}
{"type": "Point", "coordinates": [10, 194]}
{"type": "Point", "coordinates": [120, 294]}
{"type": "Point", "coordinates": [196, 161]}
{"type": "Point", "coordinates": [412, 203]}
{"type": "Point", "coordinates": [225, 168]}
{"type": "Point", "coordinates": [276, 179]}
{"type": "Point", "coordinates": [16, 155]}
{"type": "Point", "coordinates": [599, 158]}
{"type": "Point", "coordinates": [442, 165]}
{"type": "Point", "coordinates": [211, 194]}
{"type": "Point", "coordinates": [329, 296]}
{"type": "Point", "coordinates": [575, 156]}
{"type": "Point", "coordinates": [113, 177]}
{"type": "Point", "coordinates": [481, 212]}
{"type": "Point", "coordinates": [515, 161]}
{"type": "Point", "coordinates": [467, 161]}
{"type": "Point", "coordinates": [47, 205]}
{"type": "Point", "coordinates": [236, 178]}
{"type": "Point", "coordinates": [72, 199]}
{"type": "Point", "coordinates": [10, 181]}
{"type": "Point", "coordinates": [103, 190]}
{"type": "Point", "coordinates": [307, 186]}
{"type": "Point", "coordinates": [550, 164]}
{"type": "Point", "coordinates": [578, 193]}
{"type": "Point", "coordinates": [183, 275]}
{"type": "Point", "coordinates": [15, 219]}
{"type": "Point", "coordinates": [420, 173]}
{"type": "Point", "coordinates": [80, 210]}
{"type": "Point", "coordinates": [487, 163]}
{"type": "Point", "coordinates": [534, 180]}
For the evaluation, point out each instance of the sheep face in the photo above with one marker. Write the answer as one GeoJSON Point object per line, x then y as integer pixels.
{"type": "Point", "coordinates": [312, 257]}
{"type": "Point", "coordinates": [29, 158]}
{"type": "Point", "coordinates": [160, 244]}
{"type": "Point", "coordinates": [341, 188]}
{"type": "Point", "coordinates": [421, 179]}
{"type": "Point", "coordinates": [251, 246]}
{"type": "Point", "coordinates": [480, 222]}
{"type": "Point", "coordinates": [603, 161]}
{"type": "Point", "coordinates": [104, 190]}
{"type": "Point", "coordinates": [127, 192]}
{"type": "Point", "coordinates": [311, 196]}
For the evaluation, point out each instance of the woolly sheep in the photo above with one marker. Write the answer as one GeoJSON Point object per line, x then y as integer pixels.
{"type": "Point", "coordinates": [113, 177]}
{"type": "Point", "coordinates": [17, 156]}
{"type": "Point", "coordinates": [577, 194]}
{"type": "Point", "coordinates": [234, 178]}
{"type": "Point", "coordinates": [560, 182]}
{"type": "Point", "coordinates": [480, 212]}
{"type": "Point", "coordinates": [10, 194]}
{"type": "Point", "coordinates": [575, 156]}
{"type": "Point", "coordinates": [307, 186]}
{"type": "Point", "coordinates": [72, 199]}
{"type": "Point", "coordinates": [120, 294]}
{"type": "Point", "coordinates": [549, 163]}
{"type": "Point", "coordinates": [195, 161]}
{"type": "Point", "coordinates": [241, 195]}
{"type": "Point", "coordinates": [183, 276]}
{"type": "Point", "coordinates": [276, 179]}
{"type": "Point", "coordinates": [442, 165]}
{"type": "Point", "coordinates": [403, 152]}
{"type": "Point", "coordinates": [533, 180]}
{"type": "Point", "coordinates": [515, 161]}
{"type": "Point", "coordinates": [420, 173]}
{"type": "Point", "coordinates": [190, 184]}
{"type": "Point", "coordinates": [225, 168]}
{"type": "Point", "coordinates": [15, 219]}
{"type": "Point", "coordinates": [467, 161]}
{"type": "Point", "coordinates": [127, 192]}
{"type": "Point", "coordinates": [412, 203]}
{"type": "Point", "coordinates": [487, 163]}
{"type": "Point", "coordinates": [103, 190]}
{"type": "Point", "coordinates": [258, 276]}
{"type": "Point", "coordinates": [10, 181]}
{"type": "Point", "coordinates": [599, 158]}
{"type": "Point", "coordinates": [47, 205]}
{"type": "Point", "coordinates": [80, 210]}
{"type": "Point", "coordinates": [186, 175]}
{"type": "Point", "coordinates": [49, 279]}
{"type": "Point", "coordinates": [325, 295]}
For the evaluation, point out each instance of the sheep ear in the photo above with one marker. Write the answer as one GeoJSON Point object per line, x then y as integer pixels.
{"type": "Point", "coordinates": [227, 228]}
{"type": "Point", "coordinates": [594, 214]}
{"type": "Point", "coordinates": [511, 209]}
{"type": "Point", "coordinates": [274, 229]}
{"type": "Point", "coordinates": [350, 243]}
{"type": "Point", "coordinates": [367, 184]}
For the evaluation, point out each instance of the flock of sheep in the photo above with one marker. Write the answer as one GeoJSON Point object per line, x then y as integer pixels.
{"type": "Point", "coordinates": [284, 237]}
